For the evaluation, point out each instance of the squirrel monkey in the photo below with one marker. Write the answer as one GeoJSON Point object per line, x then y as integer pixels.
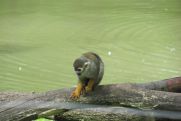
{"type": "Point", "coordinates": [90, 70]}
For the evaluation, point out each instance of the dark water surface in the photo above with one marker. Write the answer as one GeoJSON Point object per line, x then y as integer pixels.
{"type": "Point", "coordinates": [139, 40]}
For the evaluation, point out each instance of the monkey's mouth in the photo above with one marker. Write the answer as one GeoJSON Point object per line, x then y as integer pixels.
{"type": "Point", "coordinates": [78, 73]}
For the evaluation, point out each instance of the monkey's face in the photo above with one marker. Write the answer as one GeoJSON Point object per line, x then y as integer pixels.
{"type": "Point", "coordinates": [80, 66]}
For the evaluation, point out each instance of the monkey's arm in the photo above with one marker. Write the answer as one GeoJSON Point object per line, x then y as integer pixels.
{"type": "Point", "coordinates": [76, 93]}
{"type": "Point", "coordinates": [89, 86]}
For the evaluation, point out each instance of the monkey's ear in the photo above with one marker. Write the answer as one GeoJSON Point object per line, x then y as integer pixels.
{"type": "Point", "coordinates": [86, 64]}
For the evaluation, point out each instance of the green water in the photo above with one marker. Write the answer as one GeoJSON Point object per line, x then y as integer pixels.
{"type": "Point", "coordinates": [39, 40]}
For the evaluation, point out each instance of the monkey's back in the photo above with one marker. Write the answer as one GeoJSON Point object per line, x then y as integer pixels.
{"type": "Point", "coordinates": [100, 66]}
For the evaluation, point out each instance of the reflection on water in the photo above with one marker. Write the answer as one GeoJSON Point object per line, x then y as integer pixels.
{"type": "Point", "coordinates": [39, 40]}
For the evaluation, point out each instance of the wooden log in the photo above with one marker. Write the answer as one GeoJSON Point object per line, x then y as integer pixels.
{"type": "Point", "coordinates": [129, 95]}
{"type": "Point", "coordinates": [104, 114]}
{"type": "Point", "coordinates": [169, 85]}
{"type": "Point", "coordinates": [118, 114]}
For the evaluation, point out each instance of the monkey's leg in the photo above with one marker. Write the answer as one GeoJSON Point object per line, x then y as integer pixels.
{"type": "Point", "coordinates": [89, 86]}
{"type": "Point", "coordinates": [76, 93]}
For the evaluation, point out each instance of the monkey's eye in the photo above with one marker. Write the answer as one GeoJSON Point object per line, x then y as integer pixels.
{"type": "Point", "coordinates": [86, 64]}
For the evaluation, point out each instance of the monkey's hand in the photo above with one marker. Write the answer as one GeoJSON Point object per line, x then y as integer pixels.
{"type": "Point", "coordinates": [75, 95]}
{"type": "Point", "coordinates": [77, 92]}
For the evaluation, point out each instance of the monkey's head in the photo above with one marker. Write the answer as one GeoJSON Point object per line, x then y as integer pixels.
{"type": "Point", "coordinates": [81, 65]}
